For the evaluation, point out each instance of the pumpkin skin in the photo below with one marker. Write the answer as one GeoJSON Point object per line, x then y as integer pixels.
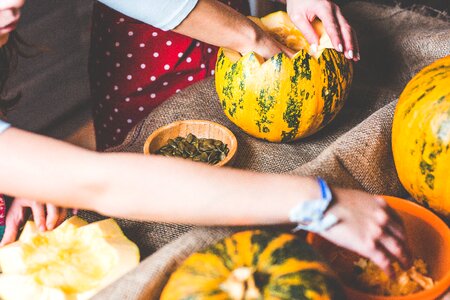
{"type": "Point", "coordinates": [281, 266]}
{"type": "Point", "coordinates": [283, 99]}
{"type": "Point", "coordinates": [421, 137]}
{"type": "Point", "coordinates": [72, 262]}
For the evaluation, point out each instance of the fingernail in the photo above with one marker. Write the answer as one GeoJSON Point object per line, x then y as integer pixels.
{"type": "Point", "coordinates": [313, 48]}
{"type": "Point", "coordinates": [358, 57]}
{"type": "Point", "coordinates": [340, 48]}
{"type": "Point", "coordinates": [50, 226]}
{"type": "Point", "coordinates": [350, 53]}
{"type": "Point", "coordinates": [42, 227]}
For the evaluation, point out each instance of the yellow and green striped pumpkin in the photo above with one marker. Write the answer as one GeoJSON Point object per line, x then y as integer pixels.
{"type": "Point", "coordinates": [283, 99]}
{"type": "Point", "coordinates": [254, 265]}
{"type": "Point", "coordinates": [421, 137]}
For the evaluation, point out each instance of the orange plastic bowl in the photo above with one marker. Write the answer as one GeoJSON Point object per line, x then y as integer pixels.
{"type": "Point", "coordinates": [428, 237]}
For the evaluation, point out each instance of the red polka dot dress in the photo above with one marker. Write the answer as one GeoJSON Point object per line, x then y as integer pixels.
{"type": "Point", "coordinates": [134, 67]}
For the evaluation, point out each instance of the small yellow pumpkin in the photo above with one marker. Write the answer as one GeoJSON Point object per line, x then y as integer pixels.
{"type": "Point", "coordinates": [72, 262]}
{"type": "Point", "coordinates": [283, 99]}
{"type": "Point", "coordinates": [254, 265]}
{"type": "Point", "coordinates": [421, 136]}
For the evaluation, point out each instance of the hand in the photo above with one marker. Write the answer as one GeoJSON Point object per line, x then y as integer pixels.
{"type": "Point", "coordinates": [266, 46]}
{"type": "Point", "coordinates": [17, 215]}
{"type": "Point", "coordinates": [369, 227]}
{"type": "Point", "coordinates": [303, 12]}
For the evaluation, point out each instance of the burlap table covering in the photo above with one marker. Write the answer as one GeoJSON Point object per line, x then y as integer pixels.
{"type": "Point", "coordinates": [353, 151]}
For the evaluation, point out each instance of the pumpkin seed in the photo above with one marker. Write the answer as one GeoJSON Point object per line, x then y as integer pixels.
{"type": "Point", "coordinates": [210, 151]}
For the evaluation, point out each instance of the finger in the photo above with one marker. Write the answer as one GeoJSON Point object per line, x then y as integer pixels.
{"type": "Point", "coordinates": [397, 231]}
{"type": "Point", "coordinates": [394, 216]}
{"type": "Point", "coordinates": [351, 50]}
{"type": "Point", "coordinates": [307, 30]}
{"type": "Point", "coordinates": [396, 249]}
{"type": "Point", "coordinates": [382, 260]}
{"type": "Point", "coordinates": [52, 216]}
{"type": "Point", "coordinates": [331, 25]}
{"type": "Point", "coordinates": [14, 220]}
{"type": "Point", "coordinates": [286, 50]}
{"type": "Point", "coordinates": [62, 216]}
{"type": "Point", "coordinates": [392, 222]}
{"type": "Point", "coordinates": [399, 235]}
{"type": "Point", "coordinates": [38, 211]}
{"type": "Point", "coordinates": [356, 47]}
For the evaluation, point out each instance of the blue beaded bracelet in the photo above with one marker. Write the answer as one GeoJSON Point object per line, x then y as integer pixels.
{"type": "Point", "coordinates": [310, 215]}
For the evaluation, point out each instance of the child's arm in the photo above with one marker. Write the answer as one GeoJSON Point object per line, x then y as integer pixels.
{"type": "Point", "coordinates": [173, 190]}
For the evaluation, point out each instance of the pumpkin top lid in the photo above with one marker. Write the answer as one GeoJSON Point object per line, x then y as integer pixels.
{"type": "Point", "coordinates": [280, 26]}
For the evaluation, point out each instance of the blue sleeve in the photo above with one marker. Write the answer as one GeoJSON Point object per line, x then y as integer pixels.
{"type": "Point", "coordinates": [163, 14]}
{"type": "Point", "coordinates": [4, 126]}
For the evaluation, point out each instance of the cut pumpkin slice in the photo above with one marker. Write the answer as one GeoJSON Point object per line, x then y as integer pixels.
{"type": "Point", "coordinates": [74, 261]}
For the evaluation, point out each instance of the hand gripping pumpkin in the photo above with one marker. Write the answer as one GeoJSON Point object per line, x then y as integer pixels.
{"type": "Point", "coordinates": [72, 262]}
{"type": "Point", "coordinates": [421, 136]}
{"type": "Point", "coordinates": [283, 99]}
{"type": "Point", "coordinates": [254, 265]}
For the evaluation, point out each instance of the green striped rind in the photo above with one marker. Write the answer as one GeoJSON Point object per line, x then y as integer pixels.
{"type": "Point", "coordinates": [421, 136]}
{"type": "Point", "coordinates": [264, 252]}
{"type": "Point", "coordinates": [260, 239]}
{"type": "Point", "coordinates": [283, 99]}
{"type": "Point", "coordinates": [337, 76]}
{"type": "Point", "coordinates": [311, 280]}
{"type": "Point", "coordinates": [299, 93]}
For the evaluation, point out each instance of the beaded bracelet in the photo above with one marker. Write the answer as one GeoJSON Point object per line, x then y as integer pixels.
{"type": "Point", "coordinates": [310, 215]}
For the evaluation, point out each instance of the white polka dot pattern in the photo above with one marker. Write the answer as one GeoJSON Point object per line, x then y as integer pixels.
{"type": "Point", "coordinates": [136, 67]}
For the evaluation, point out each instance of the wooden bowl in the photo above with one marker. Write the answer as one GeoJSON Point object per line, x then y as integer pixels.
{"type": "Point", "coordinates": [428, 238]}
{"type": "Point", "coordinates": [199, 128]}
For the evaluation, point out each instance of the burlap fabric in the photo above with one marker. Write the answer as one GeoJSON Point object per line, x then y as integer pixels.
{"type": "Point", "coordinates": [353, 151]}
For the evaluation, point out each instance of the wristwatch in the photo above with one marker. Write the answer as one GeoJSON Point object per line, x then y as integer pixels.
{"type": "Point", "coordinates": [310, 215]}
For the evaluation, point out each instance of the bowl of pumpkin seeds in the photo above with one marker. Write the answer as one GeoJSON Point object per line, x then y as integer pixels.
{"type": "Point", "coordinates": [196, 140]}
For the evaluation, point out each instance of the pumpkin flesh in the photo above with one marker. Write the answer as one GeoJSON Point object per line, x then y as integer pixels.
{"type": "Point", "coordinates": [283, 99]}
{"type": "Point", "coordinates": [74, 261]}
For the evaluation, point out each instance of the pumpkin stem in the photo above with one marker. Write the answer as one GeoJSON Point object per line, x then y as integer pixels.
{"type": "Point", "coordinates": [240, 285]}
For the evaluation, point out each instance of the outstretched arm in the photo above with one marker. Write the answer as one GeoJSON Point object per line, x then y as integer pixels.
{"type": "Point", "coordinates": [144, 187]}
{"type": "Point", "coordinates": [174, 190]}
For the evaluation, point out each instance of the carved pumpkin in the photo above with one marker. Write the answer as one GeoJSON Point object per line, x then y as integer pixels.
{"type": "Point", "coordinates": [283, 99]}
